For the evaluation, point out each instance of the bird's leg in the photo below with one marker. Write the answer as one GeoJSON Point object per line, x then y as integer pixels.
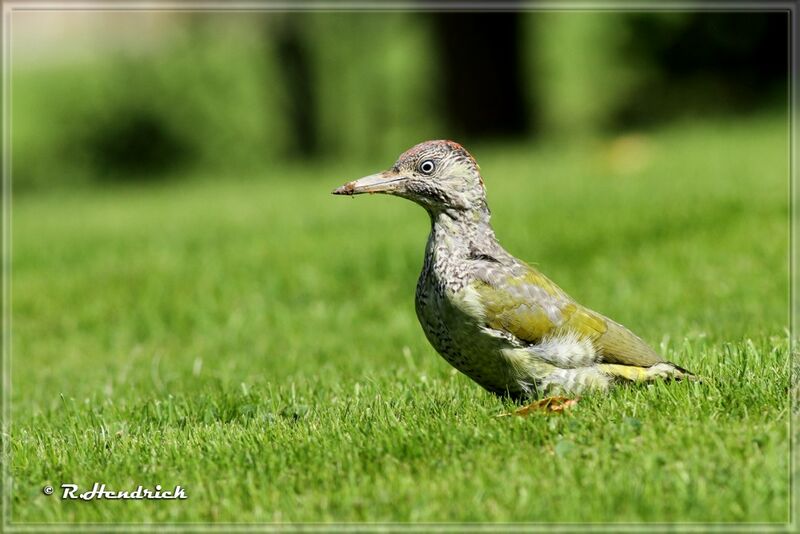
{"type": "Point", "coordinates": [553, 404]}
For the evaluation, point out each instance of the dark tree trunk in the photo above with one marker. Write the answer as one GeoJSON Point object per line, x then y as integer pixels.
{"type": "Point", "coordinates": [294, 62]}
{"type": "Point", "coordinates": [480, 64]}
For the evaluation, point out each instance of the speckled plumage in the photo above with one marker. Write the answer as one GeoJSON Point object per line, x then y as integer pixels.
{"type": "Point", "coordinates": [493, 317]}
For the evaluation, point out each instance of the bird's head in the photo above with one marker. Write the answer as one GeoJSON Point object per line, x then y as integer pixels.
{"type": "Point", "coordinates": [439, 175]}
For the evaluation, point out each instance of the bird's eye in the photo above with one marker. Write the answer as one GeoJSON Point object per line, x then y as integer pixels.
{"type": "Point", "coordinates": [427, 167]}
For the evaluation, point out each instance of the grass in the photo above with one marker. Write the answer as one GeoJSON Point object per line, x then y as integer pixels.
{"type": "Point", "coordinates": [255, 342]}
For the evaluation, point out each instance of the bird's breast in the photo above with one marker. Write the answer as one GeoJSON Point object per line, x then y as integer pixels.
{"type": "Point", "coordinates": [451, 317]}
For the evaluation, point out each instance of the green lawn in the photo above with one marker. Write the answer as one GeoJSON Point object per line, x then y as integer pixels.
{"type": "Point", "coordinates": [254, 340]}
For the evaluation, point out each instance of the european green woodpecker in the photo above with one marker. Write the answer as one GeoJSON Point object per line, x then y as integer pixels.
{"type": "Point", "coordinates": [492, 316]}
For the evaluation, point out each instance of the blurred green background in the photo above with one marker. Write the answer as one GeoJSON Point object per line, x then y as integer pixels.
{"type": "Point", "coordinates": [145, 96]}
{"type": "Point", "coordinates": [191, 305]}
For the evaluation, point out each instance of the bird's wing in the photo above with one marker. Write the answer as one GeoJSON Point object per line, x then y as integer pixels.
{"type": "Point", "coordinates": [520, 300]}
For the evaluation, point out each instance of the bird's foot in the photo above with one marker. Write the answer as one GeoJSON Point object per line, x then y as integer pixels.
{"type": "Point", "coordinates": [548, 405]}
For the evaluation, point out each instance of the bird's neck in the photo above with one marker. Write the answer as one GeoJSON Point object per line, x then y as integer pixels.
{"type": "Point", "coordinates": [460, 233]}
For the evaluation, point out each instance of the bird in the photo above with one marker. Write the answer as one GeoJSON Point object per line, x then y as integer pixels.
{"type": "Point", "coordinates": [492, 316]}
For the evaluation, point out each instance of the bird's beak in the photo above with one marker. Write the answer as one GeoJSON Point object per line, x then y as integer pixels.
{"type": "Point", "coordinates": [382, 182]}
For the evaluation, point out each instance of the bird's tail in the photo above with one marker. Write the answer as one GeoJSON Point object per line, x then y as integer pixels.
{"type": "Point", "coordinates": [633, 373]}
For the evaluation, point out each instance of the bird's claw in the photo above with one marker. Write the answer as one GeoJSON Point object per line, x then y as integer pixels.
{"type": "Point", "coordinates": [547, 405]}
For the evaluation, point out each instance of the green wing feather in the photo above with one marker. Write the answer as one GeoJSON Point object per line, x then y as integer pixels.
{"type": "Point", "coordinates": [525, 303]}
